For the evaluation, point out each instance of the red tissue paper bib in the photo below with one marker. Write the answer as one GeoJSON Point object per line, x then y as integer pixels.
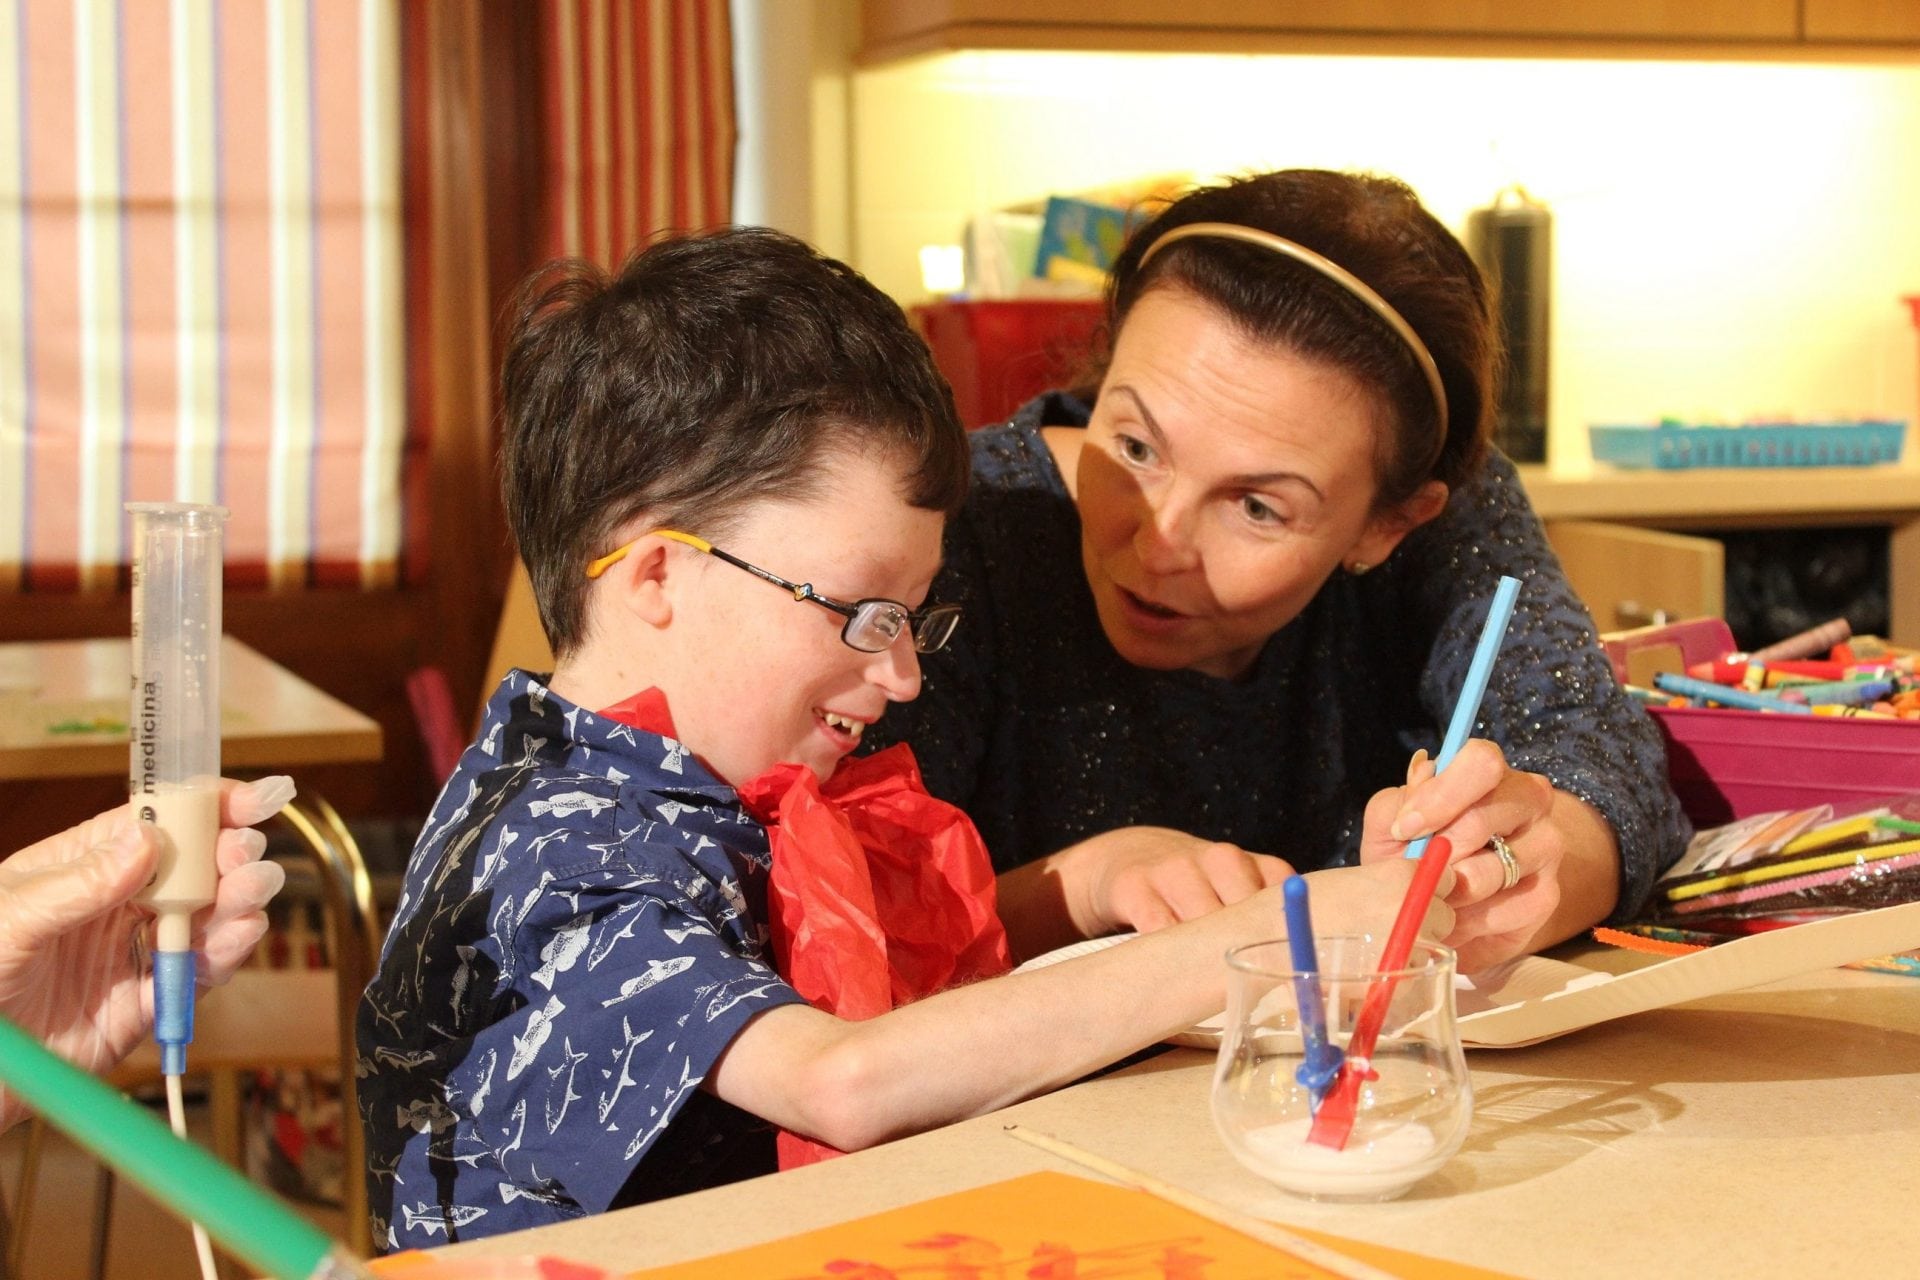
{"type": "Point", "coordinates": [645, 711]}
{"type": "Point", "coordinates": [880, 894]}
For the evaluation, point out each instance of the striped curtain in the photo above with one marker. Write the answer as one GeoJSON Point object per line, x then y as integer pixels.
{"type": "Point", "coordinates": [200, 283]}
{"type": "Point", "coordinates": [639, 123]}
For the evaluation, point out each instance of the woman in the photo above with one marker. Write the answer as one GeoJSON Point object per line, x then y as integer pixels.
{"type": "Point", "coordinates": [1214, 608]}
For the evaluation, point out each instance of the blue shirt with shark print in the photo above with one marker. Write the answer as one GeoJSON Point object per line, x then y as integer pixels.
{"type": "Point", "coordinates": [580, 936]}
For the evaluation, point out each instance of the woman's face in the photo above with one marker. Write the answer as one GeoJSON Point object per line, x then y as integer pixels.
{"type": "Point", "coordinates": [1221, 482]}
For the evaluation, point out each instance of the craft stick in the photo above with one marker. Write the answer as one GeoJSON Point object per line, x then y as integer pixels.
{"type": "Point", "coordinates": [1467, 708]}
{"type": "Point", "coordinates": [1246, 1224]}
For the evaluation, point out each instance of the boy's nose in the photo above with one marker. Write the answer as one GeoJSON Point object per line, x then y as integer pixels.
{"type": "Point", "coordinates": [896, 669]}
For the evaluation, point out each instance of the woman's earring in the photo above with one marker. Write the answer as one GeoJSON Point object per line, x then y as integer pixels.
{"type": "Point", "coordinates": [1359, 567]}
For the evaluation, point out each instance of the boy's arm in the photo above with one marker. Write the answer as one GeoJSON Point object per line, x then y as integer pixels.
{"type": "Point", "coordinates": [976, 1048]}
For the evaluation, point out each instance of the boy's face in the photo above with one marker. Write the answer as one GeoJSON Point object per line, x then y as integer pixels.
{"type": "Point", "coordinates": [762, 678]}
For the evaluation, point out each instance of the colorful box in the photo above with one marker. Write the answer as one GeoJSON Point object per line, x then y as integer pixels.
{"type": "Point", "coordinates": [1729, 764]}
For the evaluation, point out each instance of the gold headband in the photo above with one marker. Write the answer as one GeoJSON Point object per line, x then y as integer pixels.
{"type": "Point", "coordinates": [1339, 275]}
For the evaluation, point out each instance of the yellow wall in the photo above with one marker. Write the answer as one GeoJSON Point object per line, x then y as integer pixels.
{"type": "Point", "coordinates": [1730, 239]}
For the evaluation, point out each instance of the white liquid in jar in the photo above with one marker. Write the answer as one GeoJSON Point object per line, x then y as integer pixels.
{"type": "Point", "coordinates": [188, 815]}
{"type": "Point", "coordinates": [1390, 1162]}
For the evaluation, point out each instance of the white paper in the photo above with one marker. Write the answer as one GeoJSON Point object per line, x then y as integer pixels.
{"type": "Point", "coordinates": [1536, 998]}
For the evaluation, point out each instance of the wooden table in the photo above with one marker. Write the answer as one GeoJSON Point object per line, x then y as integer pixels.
{"type": "Point", "coordinates": [1772, 1132]}
{"type": "Point", "coordinates": [270, 718]}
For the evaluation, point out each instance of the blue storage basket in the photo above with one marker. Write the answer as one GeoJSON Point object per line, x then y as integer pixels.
{"type": "Point", "coordinates": [1672, 446]}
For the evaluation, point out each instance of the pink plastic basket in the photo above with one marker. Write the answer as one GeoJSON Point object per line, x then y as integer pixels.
{"type": "Point", "coordinates": [1728, 764]}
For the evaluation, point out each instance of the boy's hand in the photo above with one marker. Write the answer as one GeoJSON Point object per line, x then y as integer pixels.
{"type": "Point", "coordinates": [1366, 898]}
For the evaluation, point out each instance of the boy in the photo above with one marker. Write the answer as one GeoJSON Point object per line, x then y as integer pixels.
{"type": "Point", "coordinates": [575, 1008]}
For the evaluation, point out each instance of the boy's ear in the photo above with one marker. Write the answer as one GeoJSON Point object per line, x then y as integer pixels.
{"type": "Point", "coordinates": [638, 584]}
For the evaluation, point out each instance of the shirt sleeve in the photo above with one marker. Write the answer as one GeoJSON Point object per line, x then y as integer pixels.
{"type": "Point", "coordinates": [1552, 703]}
{"type": "Point", "coordinates": [635, 990]}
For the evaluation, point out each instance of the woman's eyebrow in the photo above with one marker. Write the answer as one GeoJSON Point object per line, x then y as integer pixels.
{"type": "Point", "coordinates": [1146, 418]}
{"type": "Point", "coordinates": [1268, 479]}
{"type": "Point", "coordinates": [1257, 480]}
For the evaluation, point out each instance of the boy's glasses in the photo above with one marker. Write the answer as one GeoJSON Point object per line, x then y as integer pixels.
{"type": "Point", "coordinates": [872, 625]}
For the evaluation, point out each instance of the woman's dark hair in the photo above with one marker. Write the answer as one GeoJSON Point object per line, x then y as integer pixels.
{"type": "Point", "coordinates": [1377, 229]}
{"type": "Point", "coordinates": [712, 371]}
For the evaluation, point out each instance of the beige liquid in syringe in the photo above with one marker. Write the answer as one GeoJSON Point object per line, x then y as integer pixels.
{"type": "Point", "coordinates": [188, 815]}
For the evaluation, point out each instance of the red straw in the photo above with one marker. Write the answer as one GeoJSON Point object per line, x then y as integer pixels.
{"type": "Point", "coordinates": [1333, 1122]}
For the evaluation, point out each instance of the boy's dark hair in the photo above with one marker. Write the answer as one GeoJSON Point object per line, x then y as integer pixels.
{"type": "Point", "coordinates": [712, 371]}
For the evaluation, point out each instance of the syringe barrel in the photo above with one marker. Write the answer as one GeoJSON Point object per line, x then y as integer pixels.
{"type": "Point", "coordinates": [174, 776]}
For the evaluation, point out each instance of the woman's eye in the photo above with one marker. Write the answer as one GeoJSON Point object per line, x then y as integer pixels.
{"type": "Point", "coordinates": [1257, 510]}
{"type": "Point", "coordinates": [1133, 450]}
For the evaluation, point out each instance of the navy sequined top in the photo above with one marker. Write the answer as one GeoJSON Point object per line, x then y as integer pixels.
{"type": "Point", "coordinates": [1032, 723]}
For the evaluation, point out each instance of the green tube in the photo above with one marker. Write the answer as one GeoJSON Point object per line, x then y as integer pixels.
{"type": "Point", "coordinates": [248, 1222]}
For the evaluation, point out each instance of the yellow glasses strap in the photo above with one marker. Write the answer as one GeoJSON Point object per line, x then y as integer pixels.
{"type": "Point", "coordinates": [606, 562]}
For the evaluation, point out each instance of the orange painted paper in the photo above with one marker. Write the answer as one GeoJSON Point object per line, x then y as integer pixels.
{"type": "Point", "coordinates": [1044, 1226]}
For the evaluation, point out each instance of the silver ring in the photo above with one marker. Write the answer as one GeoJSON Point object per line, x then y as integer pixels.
{"type": "Point", "coordinates": [1509, 865]}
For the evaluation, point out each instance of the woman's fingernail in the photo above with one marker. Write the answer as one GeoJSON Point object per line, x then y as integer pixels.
{"type": "Point", "coordinates": [1413, 765]}
{"type": "Point", "coordinates": [1409, 824]}
{"type": "Point", "coordinates": [262, 798]}
{"type": "Point", "coordinates": [255, 842]}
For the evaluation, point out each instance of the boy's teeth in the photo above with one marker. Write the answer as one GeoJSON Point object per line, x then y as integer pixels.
{"type": "Point", "coordinates": [843, 723]}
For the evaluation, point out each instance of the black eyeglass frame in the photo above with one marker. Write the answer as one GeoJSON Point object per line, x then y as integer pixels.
{"type": "Point", "coordinates": [930, 627]}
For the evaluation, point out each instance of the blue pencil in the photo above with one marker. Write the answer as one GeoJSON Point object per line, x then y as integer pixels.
{"type": "Point", "coordinates": [1467, 709]}
{"type": "Point", "coordinates": [1320, 1060]}
{"type": "Point", "coordinates": [1728, 696]}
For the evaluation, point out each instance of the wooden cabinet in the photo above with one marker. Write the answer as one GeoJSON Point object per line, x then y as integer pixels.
{"type": "Point", "coordinates": [1861, 21]}
{"type": "Point", "coordinates": [1621, 535]}
{"type": "Point", "coordinates": [1630, 577]}
{"type": "Point", "coordinates": [1763, 28]}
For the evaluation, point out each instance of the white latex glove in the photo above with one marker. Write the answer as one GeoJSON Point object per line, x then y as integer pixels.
{"type": "Point", "coordinates": [69, 970]}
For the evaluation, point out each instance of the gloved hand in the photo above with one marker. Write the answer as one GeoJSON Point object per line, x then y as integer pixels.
{"type": "Point", "coordinates": [72, 955]}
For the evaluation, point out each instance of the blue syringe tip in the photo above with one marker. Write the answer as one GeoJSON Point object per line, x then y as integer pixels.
{"type": "Point", "coordinates": [173, 982]}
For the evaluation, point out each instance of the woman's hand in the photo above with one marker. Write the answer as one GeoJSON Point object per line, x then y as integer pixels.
{"type": "Point", "coordinates": [69, 972]}
{"type": "Point", "coordinates": [1566, 861]}
{"type": "Point", "coordinates": [1139, 878]}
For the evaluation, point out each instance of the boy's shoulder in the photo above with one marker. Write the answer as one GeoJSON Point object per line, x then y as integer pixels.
{"type": "Point", "coordinates": [589, 794]}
